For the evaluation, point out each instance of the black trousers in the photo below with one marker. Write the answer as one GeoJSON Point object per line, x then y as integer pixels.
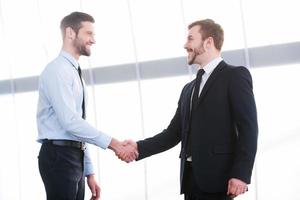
{"type": "Point", "coordinates": [191, 190]}
{"type": "Point", "coordinates": [61, 169]}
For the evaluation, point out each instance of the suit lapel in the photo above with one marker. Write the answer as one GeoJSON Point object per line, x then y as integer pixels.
{"type": "Point", "coordinates": [189, 97]}
{"type": "Point", "coordinates": [187, 109]}
{"type": "Point", "coordinates": [211, 80]}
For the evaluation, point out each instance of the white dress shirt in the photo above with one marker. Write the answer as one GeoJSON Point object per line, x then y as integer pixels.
{"type": "Point", "coordinates": [59, 114]}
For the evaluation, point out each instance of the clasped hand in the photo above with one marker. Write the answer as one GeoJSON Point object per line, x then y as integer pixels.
{"type": "Point", "coordinates": [127, 151]}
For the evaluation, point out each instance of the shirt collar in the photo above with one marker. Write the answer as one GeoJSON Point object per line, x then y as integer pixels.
{"type": "Point", "coordinates": [70, 58]}
{"type": "Point", "coordinates": [212, 65]}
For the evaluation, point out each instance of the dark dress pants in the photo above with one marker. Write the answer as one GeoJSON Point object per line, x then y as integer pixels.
{"type": "Point", "coordinates": [61, 169]}
{"type": "Point", "coordinates": [192, 191]}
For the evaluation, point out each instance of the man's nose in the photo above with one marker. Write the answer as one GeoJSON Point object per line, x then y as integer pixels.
{"type": "Point", "coordinates": [185, 46]}
{"type": "Point", "coordinates": [93, 40]}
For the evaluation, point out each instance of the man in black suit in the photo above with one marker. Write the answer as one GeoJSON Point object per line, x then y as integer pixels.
{"type": "Point", "coordinates": [216, 122]}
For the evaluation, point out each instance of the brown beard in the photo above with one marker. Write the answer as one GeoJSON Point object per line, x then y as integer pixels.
{"type": "Point", "coordinates": [191, 61]}
{"type": "Point", "coordinates": [198, 53]}
{"type": "Point", "coordinates": [84, 51]}
{"type": "Point", "coordinates": [80, 48]}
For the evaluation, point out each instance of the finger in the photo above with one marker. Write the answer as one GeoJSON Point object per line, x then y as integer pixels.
{"type": "Point", "coordinates": [231, 188]}
{"type": "Point", "coordinates": [133, 155]}
{"type": "Point", "coordinates": [98, 193]}
{"type": "Point", "coordinates": [93, 190]}
{"type": "Point", "coordinates": [121, 154]}
{"type": "Point", "coordinates": [125, 158]}
{"type": "Point", "coordinates": [129, 142]}
{"type": "Point", "coordinates": [92, 198]}
{"type": "Point", "coordinates": [239, 190]}
{"type": "Point", "coordinates": [130, 158]}
{"type": "Point", "coordinates": [136, 153]}
{"type": "Point", "coordinates": [228, 187]}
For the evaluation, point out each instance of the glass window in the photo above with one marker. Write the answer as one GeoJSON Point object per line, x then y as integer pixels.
{"type": "Point", "coordinates": [114, 43]}
{"type": "Point", "coordinates": [271, 22]}
{"type": "Point", "coordinates": [118, 114]}
{"type": "Point", "coordinates": [26, 107]}
{"type": "Point", "coordinates": [158, 29]}
{"type": "Point", "coordinates": [160, 98]}
{"type": "Point", "coordinates": [5, 65]}
{"type": "Point", "coordinates": [278, 108]}
{"type": "Point", "coordinates": [9, 150]}
{"type": "Point", "coordinates": [23, 42]}
{"type": "Point", "coordinates": [225, 13]}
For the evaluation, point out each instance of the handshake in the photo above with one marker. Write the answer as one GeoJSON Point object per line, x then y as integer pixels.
{"type": "Point", "coordinates": [126, 150]}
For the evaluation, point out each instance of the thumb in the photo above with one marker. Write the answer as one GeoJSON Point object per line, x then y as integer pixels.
{"type": "Point", "coordinates": [229, 187]}
{"type": "Point", "coordinates": [93, 190]}
{"type": "Point", "coordinates": [126, 142]}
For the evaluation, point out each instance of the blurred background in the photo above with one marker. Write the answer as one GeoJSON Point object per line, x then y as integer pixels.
{"type": "Point", "coordinates": [135, 76]}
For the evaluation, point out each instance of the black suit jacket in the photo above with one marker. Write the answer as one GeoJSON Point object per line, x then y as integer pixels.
{"type": "Point", "coordinates": [223, 129]}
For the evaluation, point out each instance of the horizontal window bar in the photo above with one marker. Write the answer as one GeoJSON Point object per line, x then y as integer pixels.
{"type": "Point", "coordinates": [280, 54]}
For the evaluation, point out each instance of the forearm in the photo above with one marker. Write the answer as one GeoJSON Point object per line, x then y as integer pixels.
{"type": "Point", "coordinates": [157, 144]}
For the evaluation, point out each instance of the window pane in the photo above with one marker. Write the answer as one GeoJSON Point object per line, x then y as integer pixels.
{"type": "Point", "coordinates": [226, 13]}
{"type": "Point", "coordinates": [9, 151]}
{"type": "Point", "coordinates": [278, 25]}
{"type": "Point", "coordinates": [23, 37]}
{"type": "Point", "coordinates": [278, 108]}
{"type": "Point", "coordinates": [160, 98]}
{"type": "Point", "coordinates": [158, 29]}
{"type": "Point", "coordinates": [113, 32]}
{"type": "Point", "coordinates": [118, 114]}
{"type": "Point", "coordinates": [26, 106]}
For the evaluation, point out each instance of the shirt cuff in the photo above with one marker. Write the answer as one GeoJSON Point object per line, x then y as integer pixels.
{"type": "Point", "coordinates": [88, 169]}
{"type": "Point", "coordinates": [103, 140]}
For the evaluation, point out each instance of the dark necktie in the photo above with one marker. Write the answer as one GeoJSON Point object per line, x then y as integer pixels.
{"type": "Point", "coordinates": [197, 87]}
{"type": "Point", "coordinates": [194, 103]}
{"type": "Point", "coordinates": [83, 103]}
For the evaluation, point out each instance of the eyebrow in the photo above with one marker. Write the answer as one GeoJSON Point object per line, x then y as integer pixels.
{"type": "Point", "coordinates": [91, 32]}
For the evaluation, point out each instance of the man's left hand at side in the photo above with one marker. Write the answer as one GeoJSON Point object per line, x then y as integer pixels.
{"type": "Point", "coordinates": [94, 187]}
{"type": "Point", "coordinates": [236, 187]}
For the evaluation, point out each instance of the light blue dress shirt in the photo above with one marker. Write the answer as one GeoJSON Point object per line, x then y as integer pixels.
{"type": "Point", "coordinates": [59, 114]}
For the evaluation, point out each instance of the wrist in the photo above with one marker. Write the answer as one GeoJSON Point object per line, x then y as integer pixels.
{"type": "Point", "coordinates": [114, 144]}
{"type": "Point", "coordinates": [90, 176]}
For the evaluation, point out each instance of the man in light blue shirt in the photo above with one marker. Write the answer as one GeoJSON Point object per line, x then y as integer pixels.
{"type": "Point", "coordinates": [64, 160]}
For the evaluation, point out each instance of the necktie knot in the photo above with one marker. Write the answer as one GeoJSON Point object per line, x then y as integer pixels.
{"type": "Point", "coordinates": [200, 73]}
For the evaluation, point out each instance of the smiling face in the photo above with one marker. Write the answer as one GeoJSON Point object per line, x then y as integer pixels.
{"type": "Point", "coordinates": [84, 39]}
{"type": "Point", "coordinates": [195, 46]}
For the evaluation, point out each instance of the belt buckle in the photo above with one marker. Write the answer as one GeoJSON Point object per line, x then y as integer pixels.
{"type": "Point", "coordinates": [82, 146]}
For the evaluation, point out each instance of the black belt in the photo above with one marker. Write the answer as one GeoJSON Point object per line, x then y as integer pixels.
{"type": "Point", "coordinates": [68, 143]}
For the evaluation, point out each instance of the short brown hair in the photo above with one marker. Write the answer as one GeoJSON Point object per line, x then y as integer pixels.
{"type": "Point", "coordinates": [208, 28]}
{"type": "Point", "coordinates": [74, 20]}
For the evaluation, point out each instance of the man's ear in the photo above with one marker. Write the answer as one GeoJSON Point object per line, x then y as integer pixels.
{"type": "Point", "coordinates": [70, 33]}
{"type": "Point", "coordinates": [209, 42]}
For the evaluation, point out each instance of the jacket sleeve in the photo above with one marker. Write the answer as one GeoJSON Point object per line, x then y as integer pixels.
{"type": "Point", "coordinates": [244, 113]}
